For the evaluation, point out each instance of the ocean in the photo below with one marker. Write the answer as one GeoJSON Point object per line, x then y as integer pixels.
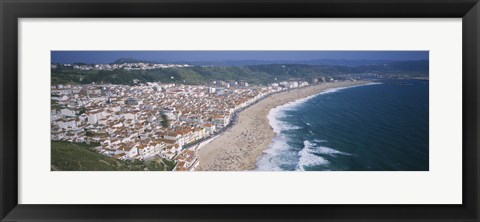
{"type": "Point", "coordinates": [382, 126]}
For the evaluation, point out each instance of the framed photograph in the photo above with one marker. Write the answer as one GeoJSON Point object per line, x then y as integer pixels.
{"type": "Point", "coordinates": [227, 110]}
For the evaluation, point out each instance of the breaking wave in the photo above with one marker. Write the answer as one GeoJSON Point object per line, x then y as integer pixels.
{"type": "Point", "coordinates": [280, 155]}
{"type": "Point", "coordinates": [309, 155]}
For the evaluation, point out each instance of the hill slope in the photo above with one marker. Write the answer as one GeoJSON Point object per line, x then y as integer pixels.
{"type": "Point", "coordinates": [68, 156]}
{"type": "Point", "coordinates": [257, 74]}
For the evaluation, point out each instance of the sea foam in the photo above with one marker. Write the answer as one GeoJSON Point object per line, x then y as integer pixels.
{"type": "Point", "coordinates": [280, 153]}
{"type": "Point", "coordinates": [309, 155]}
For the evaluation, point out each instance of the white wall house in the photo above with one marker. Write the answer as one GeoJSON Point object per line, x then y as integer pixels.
{"type": "Point", "coordinates": [67, 123]}
{"type": "Point", "coordinates": [67, 112]}
{"type": "Point", "coordinates": [221, 121]}
{"type": "Point", "coordinates": [93, 118]}
{"type": "Point", "coordinates": [180, 140]}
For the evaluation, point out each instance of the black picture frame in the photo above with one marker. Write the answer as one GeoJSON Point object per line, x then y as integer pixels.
{"type": "Point", "coordinates": [12, 10]}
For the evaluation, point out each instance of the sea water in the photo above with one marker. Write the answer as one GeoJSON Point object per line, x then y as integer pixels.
{"type": "Point", "coordinates": [382, 126]}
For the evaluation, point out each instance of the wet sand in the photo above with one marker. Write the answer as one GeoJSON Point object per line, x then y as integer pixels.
{"type": "Point", "coordinates": [239, 147]}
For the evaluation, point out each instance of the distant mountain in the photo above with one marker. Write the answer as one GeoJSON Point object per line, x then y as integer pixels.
{"type": "Point", "coordinates": [401, 66]}
{"type": "Point", "coordinates": [130, 60]}
{"type": "Point", "coordinates": [334, 62]}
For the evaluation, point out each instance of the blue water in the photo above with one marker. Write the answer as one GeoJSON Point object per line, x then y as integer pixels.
{"type": "Point", "coordinates": [377, 127]}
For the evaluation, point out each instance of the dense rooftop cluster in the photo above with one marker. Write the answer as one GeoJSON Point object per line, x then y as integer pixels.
{"type": "Point", "coordinates": [125, 66]}
{"type": "Point", "coordinates": [152, 120]}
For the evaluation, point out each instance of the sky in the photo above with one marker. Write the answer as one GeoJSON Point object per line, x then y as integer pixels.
{"type": "Point", "coordinates": [99, 57]}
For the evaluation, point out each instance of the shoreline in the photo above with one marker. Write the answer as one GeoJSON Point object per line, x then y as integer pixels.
{"type": "Point", "coordinates": [240, 146]}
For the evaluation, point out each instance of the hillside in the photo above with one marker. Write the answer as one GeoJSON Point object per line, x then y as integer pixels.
{"type": "Point", "coordinates": [403, 66]}
{"type": "Point", "coordinates": [129, 60]}
{"type": "Point", "coordinates": [257, 74]}
{"type": "Point", "coordinates": [68, 156]}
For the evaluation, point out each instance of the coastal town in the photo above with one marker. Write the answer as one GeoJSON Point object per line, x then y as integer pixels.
{"type": "Point", "coordinates": [124, 66]}
{"type": "Point", "coordinates": [222, 110]}
{"type": "Point", "coordinates": [154, 120]}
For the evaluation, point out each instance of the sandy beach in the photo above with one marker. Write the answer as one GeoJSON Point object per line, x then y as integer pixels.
{"type": "Point", "coordinates": [239, 147]}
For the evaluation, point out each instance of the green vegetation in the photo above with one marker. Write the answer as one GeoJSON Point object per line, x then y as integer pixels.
{"type": "Point", "coordinates": [68, 156]}
{"type": "Point", "coordinates": [256, 74]}
{"type": "Point", "coordinates": [82, 111]}
{"type": "Point", "coordinates": [165, 122]}
{"type": "Point", "coordinates": [191, 75]}
{"type": "Point", "coordinates": [69, 76]}
{"type": "Point", "coordinates": [129, 60]}
{"type": "Point", "coordinates": [405, 67]}
{"type": "Point", "coordinates": [56, 106]}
